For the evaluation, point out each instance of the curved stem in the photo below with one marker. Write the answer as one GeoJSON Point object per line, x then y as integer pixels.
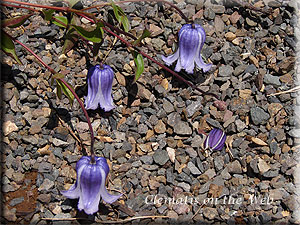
{"type": "Point", "coordinates": [86, 115]}
{"type": "Point", "coordinates": [127, 1]}
{"type": "Point", "coordinates": [71, 89]}
{"type": "Point", "coordinates": [22, 7]}
{"type": "Point", "coordinates": [155, 61]}
{"type": "Point", "coordinates": [64, 9]}
{"type": "Point", "coordinates": [158, 63]}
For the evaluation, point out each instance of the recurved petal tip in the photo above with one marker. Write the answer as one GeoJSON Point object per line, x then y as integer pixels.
{"type": "Point", "coordinates": [170, 59]}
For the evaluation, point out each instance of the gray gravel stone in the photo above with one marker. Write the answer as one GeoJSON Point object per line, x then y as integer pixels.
{"type": "Point", "coordinates": [194, 170]}
{"type": "Point", "coordinates": [225, 71]}
{"type": "Point", "coordinates": [45, 167]}
{"type": "Point", "coordinates": [168, 107]}
{"type": "Point", "coordinates": [147, 159]}
{"type": "Point", "coordinates": [16, 201]}
{"type": "Point", "coordinates": [160, 157]}
{"type": "Point", "coordinates": [259, 116]}
{"type": "Point", "coordinates": [273, 80]}
{"type": "Point", "coordinates": [194, 107]}
{"type": "Point", "coordinates": [182, 128]}
{"type": "Point", "coordinates": [30, 140]}
{"type": "Point", "coordinates": [219, 163]}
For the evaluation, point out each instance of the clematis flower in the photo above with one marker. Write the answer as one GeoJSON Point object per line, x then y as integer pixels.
{"type": "Point", "coordinates": [215, 140]}
{"type": "Point", "coordinates": [90, 184]}
{"type": "Point", "coordinates": [99, 81]}
{"type": "Point", "coordinates": [191, 41]}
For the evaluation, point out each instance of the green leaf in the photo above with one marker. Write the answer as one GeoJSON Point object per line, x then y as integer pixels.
{"type": "Point", "coordinates": [146, 33]}
{"type": "Point", "coordinates": [66, 91]}
{"type": "Point", "coordinates": [58, 91]}
{"type": "Point", "coordinates": [121, 17]}
{"type": "Point", "coordinates": [125, 23]}
{"type": "Point", "coordinates": [48, 13]}
{"type": "Point", "coordinates": [71, 39]}
{"type": "Point", "coordinates": [16, 21]}
{"type": "Point", "coordinates": [139, 62]}
{"type": "Point", "coordinates": [62, 19]}
{"type": "Point", "coordinates": [73, 2]}
{"type": "Point", "coordinates": [116, 11]}
{"type": "Point", "coordinates": [93, 36]}
{"type": "Point", "coordinates": [8, 47]}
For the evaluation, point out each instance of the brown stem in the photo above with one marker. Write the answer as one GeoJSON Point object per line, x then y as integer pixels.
{"type": "Point", "coordinates": [158, 63]}
{"type": "Point", "coordinates": [86, 115]}
{"type": "Point", "coordinates": [22, 7]}
{"type": "Point", "coordinates": [64, 9]}
{"type": "Point", "coordinates": [127, 1]}
{"type": "Point", "coordinates": [70, 88]}
{"type": "Point", "coordinates": [155, 61]}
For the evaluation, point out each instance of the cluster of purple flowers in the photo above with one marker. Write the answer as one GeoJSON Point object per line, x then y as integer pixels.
{"type": "Point", "coordinates": [91, 176]}
{"type": "Point", "coordinates": [100, 78]}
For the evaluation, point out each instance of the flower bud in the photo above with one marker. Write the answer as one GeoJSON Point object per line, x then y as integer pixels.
{"type": "Point", "coordinates": [215, 140]}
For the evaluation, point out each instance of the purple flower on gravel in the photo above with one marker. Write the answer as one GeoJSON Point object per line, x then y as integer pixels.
{"type": "Point", "coordinates": [191, 41]}
{"type": "Point", "coordinates": [90, 184]}
{"type": "Point", "coordinates": [100, 81]}
{"type": "Point", "coordinates": [215, 140]}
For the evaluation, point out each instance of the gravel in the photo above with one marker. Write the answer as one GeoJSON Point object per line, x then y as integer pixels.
{"type": "Point", "coordinates": [153, 138]}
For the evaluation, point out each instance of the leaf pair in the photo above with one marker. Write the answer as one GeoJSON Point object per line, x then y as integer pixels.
{"type": "Point", "coordinates": [121, 17]}
{"type": "Point", "coordinates": [62, 88]}
{"type": "Point", "coordinates": [7, 45]}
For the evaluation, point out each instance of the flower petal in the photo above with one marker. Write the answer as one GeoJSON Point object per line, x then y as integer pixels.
{"type": "Point", "coordinates": [93, 87]}
{"type": "Point", "coordinates": [170, 59]}
{"type": "Point", "coordinates": [99, 88]}
{"type": "Point", "coordinates": [189, 45]}
{"type": "Point", "coordinates": [178, 66]}
{"type": "Point", "coordinates": [75, 189]}
{"type": "Point", "coordinates": [90, 181]}
{"type": "Point", "coordinates": [215, 139]}
{"type": "Point", "coordinates": [106, 80]}
{"type": "Point", "coordinates": [104, 194]}
{"type": "Point", "coordinates": [199, 61]}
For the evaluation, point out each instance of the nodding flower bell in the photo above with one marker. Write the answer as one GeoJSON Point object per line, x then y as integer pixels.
{"type": "Point", "coordinates": [215, 140]}
{"type": "Point", "coordinates": [90, 184]}
{"type": "Point", "coordinates": [191, 41]}
{"type": "Point", "coordinates": [100, 79]}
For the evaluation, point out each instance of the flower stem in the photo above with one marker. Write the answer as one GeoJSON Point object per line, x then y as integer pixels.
{"type": "Point", "coordinates": [158, 63]}
{"type": "Point", "coordinates": [153, 60]}
{"type": "Point", "coordinates": [22, 7]}
{"type": "Point", "coordinates": [70, 88]}
{"type": "Point", "coordinates": [64, 9]}
{"type": "Point", "coordinates": [85, 113]}
{"type": "Point", "coordinates": [126, 1]}
{"type": "Point", "coordinates": [93, 19]}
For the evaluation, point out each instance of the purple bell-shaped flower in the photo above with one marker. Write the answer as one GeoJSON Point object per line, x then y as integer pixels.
{"type": "Point", "coordinates": [100, 81]}
{"type": "Point", "coordinates": [90, 184]}
{"type": "Point", "coordinates": [215, 140]}
{"type": "Point", "coordinates": [191, 41]}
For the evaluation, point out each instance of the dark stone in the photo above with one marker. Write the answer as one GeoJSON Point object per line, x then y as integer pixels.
{"type": "Point", "coordinates": [16, 201]}
{"type": "Point", "coordinates": [161, 157]}
{"type": "Point", "coordinates": [259, 116]}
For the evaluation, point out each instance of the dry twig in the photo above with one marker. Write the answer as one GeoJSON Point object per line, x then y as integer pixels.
{"type": "Point", "coordinates": [285, 92]}
{"type": "Point", "coordinates": [106, 221]}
